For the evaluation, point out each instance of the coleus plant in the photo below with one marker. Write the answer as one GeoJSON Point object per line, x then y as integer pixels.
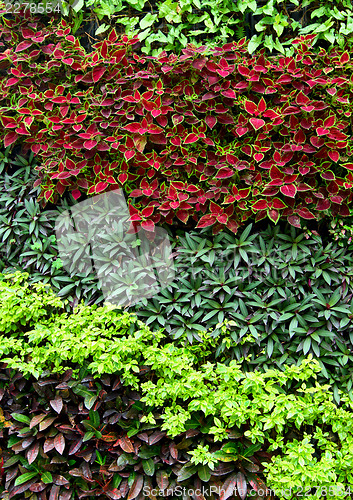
{"type": "Point", "coordinates": [210, 136]}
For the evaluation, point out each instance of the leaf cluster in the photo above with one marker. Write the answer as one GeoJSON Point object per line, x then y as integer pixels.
{"type": "Point", "coordinates": [282, 295]}
{"type": "Point", "coordinates": [212, 137]}
{"type": "Point", "coordinates": [170, 25]}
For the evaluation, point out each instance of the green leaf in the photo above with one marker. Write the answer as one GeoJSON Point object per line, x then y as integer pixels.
{"type": "Point", "coordinates": [254, 42]}
{"type": "Point", "coordinates": [148, 20]}
{"type": "Point", "coordinates": [25, 477]}
{"type": "Point", "coordinates": [148, 467]}
{"type": "Point", "coordinates": [185, 472]}
{"type": "Point", "coordinates": [94, 418]}
{"type": "Point", "coordinates": [78, 4]}
{"type": "Point", "coordinates": [204, 473]}
{"type": "Point", "coordinates": [46, 477]}
{"type": "Point", "coordinates": [102, 28]}
{"type": "Point", "coordinates": [88, 435]}
{"type": "Point", "coordinates": [306, 345]}
{"type": "Point", "coordinates": [21, 418]}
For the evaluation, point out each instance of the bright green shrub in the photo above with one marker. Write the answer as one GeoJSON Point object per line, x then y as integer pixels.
{"type": "Point", "coordinates": [38, 343]}
{"type": "Point", "coordinates": [22, 305]}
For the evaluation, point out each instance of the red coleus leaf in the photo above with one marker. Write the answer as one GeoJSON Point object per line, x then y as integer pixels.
{"type": "Point", "coordinates": [273, 215]}
{"type": "Point", "coordinates": [191, 138]}
{"type": "Point", "coordinates": [12, 81]}
{"type": "Point", "coordinates": [101, 186]}
{"type": "Point", "coordinates": [206, 220]}
{"type": "Point", "coordinates": [222, 219]}
{"type": "Point", "coordinates": [330, 121]}
{"type": "Point", "coordinates": [323, 204]}
{"type": "Point", "coordinates": [122, 178]}
{"type": "Point", "coordinates": [334, 155]}
{"type": "Point", "coordinates": [328, 175]}
{"type": "Point", "coordinates": [59, 99]}
{"type": "Point", "coordinates": [224, 173]}
{"type": "Point", "coordinates": [302, 99]}
{"type": "Point", "coordinates": [258, 156]}
{"type": "Point", "coordinates": [305, 213]}
{"type": "Point", "coordinates": [90, 144]}
{"type": "Point", "coordinates": [48, 194]}
{"type": "Point", "coordinates": [289, 190]}
{"type": "Point", "coordinates": [308, 108]}
{"type": "Point", "coordinates": [133, 127]}
{"type": "Point", "coordinates": [211, 121]}
{"type": "Point", "coordinates": [215, 209]}
{"type": "Point", "coordinates": [322, 131]}
{"type": "Point", "coordinates": [10, 138]}
{"type": "Point", "coordinates": [251, 108]}
{"type": "Point", "coordinates": [27, 33]}
{"type": "Point", "coordinates": [247, 150]}
{"type": "Point", "coordinates": [23, 45]}
{"type": "Point", "coordinates": [229, 93]}
{"type": "Point", "coordinates": [336, 199]}
{"type": "Point", "coordinates": [294, 220]}
{"type": "Point", "coordinates": [275, 173]}
{"type": "Point", "coordinates": [262, 105]}
{"type": "Point", "coordinates": [344, 210]}
{"type": "Point", "coordinates": [344, 58]}
{"type": "Point", "coordinates": [76, 193]}
{"type": "Point", "coordinates": [97, 74]}
{"type": "Point", "coordinates": [278, 204]}
{"type": "Point", "coordinates": [129, 154]}
{"type": "Point", "coordinates": [260, 205]}
{"type": "Point", "coordinates": [148, 225]}
{"type": "Point", "coordinates": [257, 123]}
{"type": "Point", "coordinates": [241, 131]}
{"type": "Point", "coordinates": [182, 215]}
{"type": "Point", "coordinates": [147, 211]}
{"type": "Point", "coordinates": [300, 137]}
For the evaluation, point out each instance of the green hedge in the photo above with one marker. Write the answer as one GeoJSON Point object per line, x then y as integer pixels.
{"type": "Point", "coordinates": [94, 403]}
{"type": "Point", "coordinates": [284, 294]}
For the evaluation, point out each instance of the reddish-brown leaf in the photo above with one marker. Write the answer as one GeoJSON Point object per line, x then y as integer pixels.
{"type": "Point", "coordinates": [57, 404]}
{"type": "Point", "coordinates": [32, 453]}
{"type": "Point", "coordinates": [242, 487]}
{"type": "Point", "coordinates": [136, 487]}
{"type": "Point", "coordinates": [59, 443]}
{"type": "Point", "coordinates": [228, 487]}
{"type": "Point", "coordinates": [126, 445]}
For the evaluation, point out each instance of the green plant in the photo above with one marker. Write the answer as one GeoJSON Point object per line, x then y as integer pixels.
{"type": "Point", "coordinates": [268, 298]}
{"type": "Point", "coordinates": [171, 25]}
{"type": "Point", "coordinates": [28, 241]}
{"type": "Point", "coordinates": [132, 388]}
